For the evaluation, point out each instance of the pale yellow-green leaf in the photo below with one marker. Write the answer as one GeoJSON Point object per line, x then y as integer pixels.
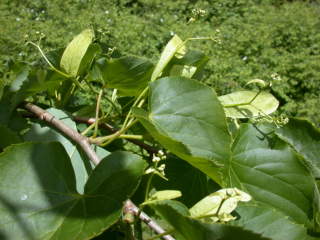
{"type": "Point", "coordinates": [163, 195]}
{"type": "Point", "coordinates": [183, 70]}
{"type": "Point", "coordinates": [246, 104]}
{"type": "Point", "coordinates": [75, 52]}
{"type": "Point", "coordinates": [257, 81]}
{"type": "Point", "coordinates": [218, 206]}
{"type": "Point", "coordinates": [175, 47]}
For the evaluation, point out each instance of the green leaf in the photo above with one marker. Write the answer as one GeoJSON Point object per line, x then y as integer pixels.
{"type": "Point", "coordinates": [163, 195]}
{"type": "Point", "coordinates": [35, 82]}
{"type": "Point", "coordinates": [81, 164]}
{"type": "Point", "coordinates": [73, 55]}
{"type": "Point", "coordinates": [305, 139]}
{"type": "Point", "coordinates": [269, 223]}
{"type": "Point", "coordinates": [246, 104]}
{"type": "Point", "coordinates": [218, 205]}
{"type": "Point", "coordinates": [38, 197]}
{"type": "Point", "coordinates": [271, 174]}
{"type": "Point", "coordinates": [128, 74]}
{"type": "Point", "coordinates": [196, 131]}
{"type": "Point", "coordinates": [8, 137]}
{"type": "Point", "coordinates": [174, 47]}
{"type": "Point", "coordinates": [190, 65]}
{"type": "Point", "coordinates": [187, 228]}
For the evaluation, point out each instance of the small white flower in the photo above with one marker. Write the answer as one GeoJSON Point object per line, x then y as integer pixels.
{"type": "Point", "coordinates": [150, 170]}
{"type": "Point", "coordinates": [156, 159]}
{"type": "Point", "coordinates": [161, 167]}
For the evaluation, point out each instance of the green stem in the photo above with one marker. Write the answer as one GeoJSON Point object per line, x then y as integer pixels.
{"type": "Point", "coordinates": [47, 60]}
{"type": "Point", "coordinates": [96, 122]}
{"type": "Point", "coordinates": [129, 136]}
{"type": "Point", "coordinates": [54, 68]}
{"type": "Point", "coordinates": [146, 195]}
{"type": "Point", "coordinates": [136, 102]}
{"type": "Point", "coordinates": [108, 139]}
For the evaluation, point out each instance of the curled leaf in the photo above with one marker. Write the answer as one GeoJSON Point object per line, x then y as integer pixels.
{"type": "Point", "coordinates": [219, 205]}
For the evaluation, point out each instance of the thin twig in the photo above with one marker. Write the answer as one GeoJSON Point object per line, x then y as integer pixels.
{"type": "Point", "coordinates": [69, 132]}
{"type": "Point", "coordinates": [83, 142]}
{"type": "Point", "coordinates": [129, 207]}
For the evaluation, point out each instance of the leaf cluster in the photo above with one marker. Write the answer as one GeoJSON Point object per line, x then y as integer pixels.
{"type": "Point", "coordinates": [159, 134]}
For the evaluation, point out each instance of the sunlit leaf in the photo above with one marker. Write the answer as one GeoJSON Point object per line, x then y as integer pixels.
{"type": "Point", "coordinates": [174, 47]}
{"type": "Point", "coordinates": [246, 104]}
{"type": "Point", "coordinates": [189, 65]}
{"type": "Point", "coordinates": [163, 195]}
{"type": "Point", "coordinates": [73, 55]}
{"type": "Point", "coordinates": [218, 206]}
{"type": "Point", "coordinates": [196, 131]}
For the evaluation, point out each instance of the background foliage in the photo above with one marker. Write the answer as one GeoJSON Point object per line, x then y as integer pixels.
{"type": "Point", "coordinates": [259, 39]}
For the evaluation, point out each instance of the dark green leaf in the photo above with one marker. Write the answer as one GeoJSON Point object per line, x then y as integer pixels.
{"type": "Point", "coordinates": [38, 197]}
{"type": "Point", "coordinates": [8, 137]}
{"type": "Point", "coordinates": [271, 175]}
{"type": "Point", "coordinates": [269, 223]}
{"type": "Point", "coordinates": [187, 118]}
{"type": "Point", "coordinates": [128, 74]}
{"type": "Point", "coordinates": [36, 82]}
{"type": "Point", "coordinates": [305, 139]}
{"type": "Point", "coordinates": [189, 229]}
{"type": "Point", "coordinates": [81, 164]}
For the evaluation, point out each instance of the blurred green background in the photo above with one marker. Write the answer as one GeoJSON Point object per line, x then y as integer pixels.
{"type": "Point", "coordinates": [265, 39]}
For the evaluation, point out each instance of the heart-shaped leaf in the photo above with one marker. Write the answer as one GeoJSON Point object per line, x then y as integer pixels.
{"type": "Point", "coordinates": [271, 175]}
{"type": "Point", "coordinates": [246, 104]}
{"type": "Point", "coordinates": [42, 203]}
{"type": "Point", "coordinates": [195, 131]}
